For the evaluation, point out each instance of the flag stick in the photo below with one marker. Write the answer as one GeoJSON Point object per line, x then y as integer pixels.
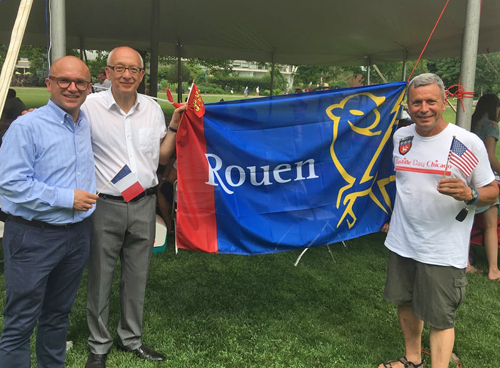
{"type": "Point", "coordinates": [448, 160]}
{"type": "Point", "coordinates": [189, 95]}
{"type": "Point", "coordinates": [114, 176]}
{"type": "Point", "coordinates": [160, 99]}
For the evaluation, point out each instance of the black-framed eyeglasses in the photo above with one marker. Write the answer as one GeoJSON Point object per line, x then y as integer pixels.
{"type": "Point", "coordinates": [64, 83]}
{"type": "Point", "coordinates": [120, 69]}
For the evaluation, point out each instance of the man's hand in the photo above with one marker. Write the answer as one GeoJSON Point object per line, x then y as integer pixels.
{"type": "Point", "coordinates": [455, 188]}
{"type": "Point", "coordinates": [385, 228]}
{"type": "Point", "coordinates": [174, 122]}
{"type": "Point", "coordinates": [24, 112]}
{"type": "Point", "coordinates": [83, 200]}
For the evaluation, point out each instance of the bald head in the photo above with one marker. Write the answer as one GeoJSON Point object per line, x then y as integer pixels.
{"type": "Point", "coordinates": [126, 52]}
{"type": "Point", "coordinates": [69, 84]}
{"type": "Point", "coordinates": [70, 62]}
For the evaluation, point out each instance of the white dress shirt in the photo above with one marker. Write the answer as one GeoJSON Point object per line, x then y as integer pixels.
{"type": "Point", "coordinates": [120, 138]}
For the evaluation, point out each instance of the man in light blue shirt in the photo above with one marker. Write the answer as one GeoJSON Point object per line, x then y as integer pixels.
{"type": "Point", "coordinates": [47, 189]}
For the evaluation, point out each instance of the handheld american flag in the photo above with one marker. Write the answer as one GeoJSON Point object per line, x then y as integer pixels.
{"type": "Point", "coordinates": [462, 157]}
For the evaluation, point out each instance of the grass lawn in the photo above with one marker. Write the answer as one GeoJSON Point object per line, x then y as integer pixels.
{"type": "Point", "coordinates": [38, 96]}
{"type": "Point", "coordinates": [205, 310]}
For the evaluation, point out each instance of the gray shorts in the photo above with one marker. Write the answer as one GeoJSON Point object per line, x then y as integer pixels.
{"type": "Point", "coordinates": [433, 292]}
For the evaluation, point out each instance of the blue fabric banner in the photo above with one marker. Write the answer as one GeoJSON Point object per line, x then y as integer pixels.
{"type": "Point", "coordinates": [291, 171]}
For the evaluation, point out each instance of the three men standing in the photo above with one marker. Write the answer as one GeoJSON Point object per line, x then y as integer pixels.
{"type": "Point", "coordinates": [47, 187]}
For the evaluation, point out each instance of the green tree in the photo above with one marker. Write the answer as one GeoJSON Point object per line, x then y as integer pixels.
{"type": "Point", "coordinates": [487, 74]}
{"type": "Point", "coordinates": [97, 65]}
{"type": "Point", "coordinates": [213, 66]}
{"type": "Point", "coordinates": [37, 57]}
{"type": "Point", "coordinates": [172, 75]}
{"type": "Point", "coordinates": [311, 74]}
{"type": "Point", "coordinates": [448, 69]}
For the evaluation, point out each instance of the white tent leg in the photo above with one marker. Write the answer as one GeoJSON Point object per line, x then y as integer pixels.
{"type": "Point", "coordinates": [468, 62]}
{"type": "Point", "coordinates": [153, 60]}
{"type": "Point", "coordinates": [57, 29]}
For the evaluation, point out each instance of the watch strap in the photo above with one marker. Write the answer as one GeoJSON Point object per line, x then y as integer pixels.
{"type": "Point", "coordinates": [475, 196]}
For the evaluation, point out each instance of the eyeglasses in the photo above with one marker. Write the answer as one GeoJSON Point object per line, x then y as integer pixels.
{"type": "Point", "coordinates": [120, 69]}
{"type": "Point", "coordinates": [64, 83]}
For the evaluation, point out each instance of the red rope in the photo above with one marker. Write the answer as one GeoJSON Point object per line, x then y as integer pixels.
{"type": "Point", "coordinates": [460, 93]}
{"type": "Point", "coordinates": [422, 52]}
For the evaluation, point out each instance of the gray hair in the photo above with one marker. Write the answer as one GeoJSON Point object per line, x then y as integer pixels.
{"type": "Point", "coordinates": [425, 79]}
{"type": "Point", "coordinates": [111, 53]}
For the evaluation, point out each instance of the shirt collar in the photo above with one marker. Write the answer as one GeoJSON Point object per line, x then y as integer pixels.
{"type": "Point", "coordinates": [112, 101]}
{"type": "Point", "coordinates": [62, 115]}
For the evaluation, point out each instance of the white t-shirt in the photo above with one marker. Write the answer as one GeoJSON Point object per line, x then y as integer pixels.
{"type": "Point", "coordinates": [423, 225]}
{"type": "Point", "coordinates": [120, 138]}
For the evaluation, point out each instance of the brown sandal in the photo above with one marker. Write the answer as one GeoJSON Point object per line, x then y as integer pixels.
{"type": "Point", "coordinates": [405, 363]}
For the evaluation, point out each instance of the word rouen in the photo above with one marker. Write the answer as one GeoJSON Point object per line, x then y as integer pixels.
{"type": "Point", "coordinates": [241, 175]}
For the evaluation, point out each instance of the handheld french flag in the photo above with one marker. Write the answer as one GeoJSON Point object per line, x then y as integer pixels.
{"type": "Point", "coordinates": [126, 182]}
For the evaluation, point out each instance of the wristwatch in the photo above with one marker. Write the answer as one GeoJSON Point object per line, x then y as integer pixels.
{"type": "Point", "coordinates": [475, 196]}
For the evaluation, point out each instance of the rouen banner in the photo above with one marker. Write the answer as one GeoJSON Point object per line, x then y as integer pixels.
{"type": "Point", "coordinates": [274, 174]}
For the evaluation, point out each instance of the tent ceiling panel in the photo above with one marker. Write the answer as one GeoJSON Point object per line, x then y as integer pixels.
{"type": "Point", "coordinates": [311, 32]}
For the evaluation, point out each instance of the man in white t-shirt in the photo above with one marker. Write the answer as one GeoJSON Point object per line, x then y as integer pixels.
{"type": "Point", "coordinates": [428, 245]}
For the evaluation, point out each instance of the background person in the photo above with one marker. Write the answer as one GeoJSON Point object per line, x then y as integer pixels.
{"type": "Point", "coordinates": [12, 109]}
{"type": "Point", "coordinates": [47, 188]}
{"type": "Point", "coordinates": [127, 128]}
{"type": "Point", "coordinates": [428, 247]}
{"type": "Point", "coordinates": [13, 105]}
{"type": "Point", "coordinates": [103, 83]}
{"type": "Point", "coordinates": [165, 194]}
{"type": "Point", "coordinates": [485, 125]}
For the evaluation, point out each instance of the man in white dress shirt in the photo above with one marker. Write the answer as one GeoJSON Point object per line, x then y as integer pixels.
{"type": "Point", "coordinates": [127, 128]}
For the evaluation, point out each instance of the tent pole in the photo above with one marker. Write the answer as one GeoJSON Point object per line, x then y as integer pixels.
{"type": "Point", "coordinates": [141, 88]}
{"type": "Point", "coordinates": [57, 29]}
{"type": "Point", "coordinates": [153, 60]}
{"type": "Point", "coordinates": [272, 73]}
{"type": "Point", "coordinates": [469, 57]}
{"type": "Point", "coordinates": [379, 73]}
{"type": "Point", "coordinates": [16, 39]}
{"type": "Point", "coordinates": [83, 53]}
{"type": "Point", "coordinates": [368, 70]}
{"type": "Point", "coordinates": [405, 59]}
{"type": "Point", "coordinates": [179, 73]}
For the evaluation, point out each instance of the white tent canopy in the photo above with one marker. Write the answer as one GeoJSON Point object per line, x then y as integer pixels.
{"type": "Point", "coordinates": [354, 32]}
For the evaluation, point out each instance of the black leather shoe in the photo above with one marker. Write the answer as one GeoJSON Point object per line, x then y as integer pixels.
{"type": "Point", "coordinates": [145, 353]}
{"type": "Point", "coordinates": [96, 361]}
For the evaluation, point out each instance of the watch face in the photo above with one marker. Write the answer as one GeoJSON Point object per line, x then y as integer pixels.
{"type": "Point", "coordinates": [474, 193]}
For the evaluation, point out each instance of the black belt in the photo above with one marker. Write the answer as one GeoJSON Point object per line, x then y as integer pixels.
{"type": "Point", "coordinates": [36, 223]}
{"type": "Point", "coordinates": [147, 192]}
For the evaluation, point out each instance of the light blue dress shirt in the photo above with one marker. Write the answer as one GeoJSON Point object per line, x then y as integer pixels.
{"type": "Point", "coordinates": [44, 157]}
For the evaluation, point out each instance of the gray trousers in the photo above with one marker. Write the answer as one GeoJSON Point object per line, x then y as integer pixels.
{"type": "Point", "coordinates": [124, 230]}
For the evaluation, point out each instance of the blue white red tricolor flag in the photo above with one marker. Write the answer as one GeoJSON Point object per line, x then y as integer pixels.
{"type": "Point", "coordinates": [128, 185]}
{"type": "Point", "coordinates": [462, 157]}
{"type": "Point", "coordinates": [286, 172]}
